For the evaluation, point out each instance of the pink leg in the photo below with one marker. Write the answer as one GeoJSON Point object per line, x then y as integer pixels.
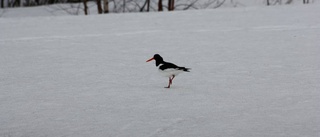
{"type": "Point", "coordinates": [170, 81]}
{"type": "Point", "coordinates": [172, 78]}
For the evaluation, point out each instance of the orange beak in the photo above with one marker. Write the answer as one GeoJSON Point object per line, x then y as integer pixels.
{"type": "Point", "coordinates": [150, 59]}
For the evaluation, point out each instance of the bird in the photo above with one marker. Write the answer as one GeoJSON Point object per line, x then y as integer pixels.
{"type": "Point", "coordinates": [168, 69]}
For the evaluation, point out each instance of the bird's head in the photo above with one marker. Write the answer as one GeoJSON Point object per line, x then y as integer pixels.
{"type": "Point", "coordinates": [158, 59]}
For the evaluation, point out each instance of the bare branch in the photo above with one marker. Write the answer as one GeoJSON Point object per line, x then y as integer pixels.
{"type": "Point", "coordinates": [219, 4]}
{"type": "Point", "coordinates": [191, 5]}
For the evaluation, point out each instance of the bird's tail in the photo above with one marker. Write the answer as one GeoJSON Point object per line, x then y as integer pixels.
{"type": "Point", "coordinates": [184, 69]}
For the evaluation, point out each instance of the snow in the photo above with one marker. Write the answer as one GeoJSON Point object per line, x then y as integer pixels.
{"type": "Point", "coordinates": [255, 72]}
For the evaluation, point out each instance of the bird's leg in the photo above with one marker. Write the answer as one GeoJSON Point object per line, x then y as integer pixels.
{"type": "Point", "coordinates": [170, 81]}
{"type": "Point", "coordinates": [172, 78]}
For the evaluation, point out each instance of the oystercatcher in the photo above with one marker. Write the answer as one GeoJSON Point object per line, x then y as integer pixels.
{"type": "Point", "coordinates": [168, 69]}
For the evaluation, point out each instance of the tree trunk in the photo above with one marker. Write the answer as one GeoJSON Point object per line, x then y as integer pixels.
{"type": "Point", "coordinates": [268, 3]}
{"type": "Point", "coordinates": [124, 6]}
{"type": "Point", "coordinates": [99, 7]}
{"type": "Point", "coordinates": [106, 6]}
{"type": "Point", "coordinates": [2, 3]}
{"type": "Point", "coordinates": [27, 3]}
{"type": "Point", "coordinates": [37, 2]}
{"type": "Point", "coordinates": [51, 2]}
{"type": "Point", "coordinates": [16, 3]}
{"type": "Point", "coordinates": [85, 7]}
{"type": "Point", "coordinates": [148, 6]}
{"type": "Point", "coordinates": [160, 6]}
{"type": "Point", "coordinates": [170, 5]}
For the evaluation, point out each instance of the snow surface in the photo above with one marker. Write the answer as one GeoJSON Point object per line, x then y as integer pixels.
{"type": "Point", "coordinates": [255, 73]}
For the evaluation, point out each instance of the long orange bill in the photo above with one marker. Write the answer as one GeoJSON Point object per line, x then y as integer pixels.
{"type": "Point", "coordinates": [150, 59]}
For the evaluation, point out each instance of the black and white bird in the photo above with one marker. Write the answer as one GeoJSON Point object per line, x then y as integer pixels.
{"type": "Point", "coordinates": [168, 69]}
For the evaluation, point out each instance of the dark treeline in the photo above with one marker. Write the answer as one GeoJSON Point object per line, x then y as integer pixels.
{"type": "Point", "coordinates": [117, 6]}
{"type": "Point", "coordinates": [29, 3]}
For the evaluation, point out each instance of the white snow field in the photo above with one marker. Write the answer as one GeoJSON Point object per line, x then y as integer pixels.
{"type": "Point", "coordinates": [255, 73]}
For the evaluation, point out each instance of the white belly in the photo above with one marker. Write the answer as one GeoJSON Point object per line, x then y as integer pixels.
{"type": "Point", "coordinates": [170, 72]}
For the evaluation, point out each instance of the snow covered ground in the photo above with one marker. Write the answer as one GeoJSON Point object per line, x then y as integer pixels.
{"type": "Point", "coordinates": [255, 73]}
